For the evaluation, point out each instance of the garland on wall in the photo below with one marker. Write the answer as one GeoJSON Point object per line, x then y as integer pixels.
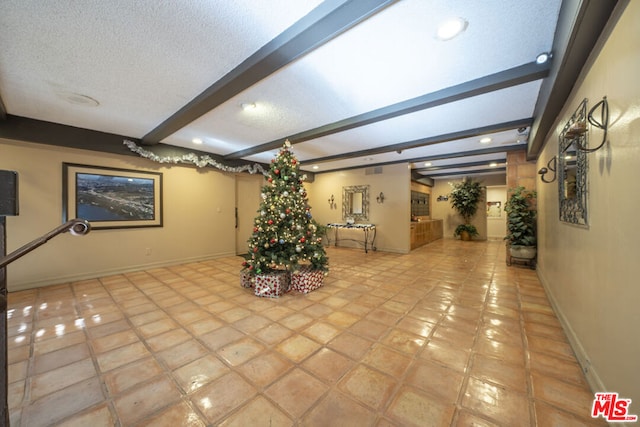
{"type": "Point", "coordinates": [200, 161]}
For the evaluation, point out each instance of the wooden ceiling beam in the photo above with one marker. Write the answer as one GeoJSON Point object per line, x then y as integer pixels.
{"type": "Point", "coordinates": [460, 165]}
{"type": "Point", "coordinates": [470, 172]}
{"type": "Point", "coordinates": [458, 154]}
{"type": "Point", "coordinates": [330, 19]}
{"type": "Point", "coordinates": [501, 80]}
{"type": "Point", "coordinates": [438, 139]}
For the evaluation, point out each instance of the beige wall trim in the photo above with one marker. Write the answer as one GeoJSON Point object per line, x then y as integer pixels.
{"type": "Point", "coordinates": [589, 371]}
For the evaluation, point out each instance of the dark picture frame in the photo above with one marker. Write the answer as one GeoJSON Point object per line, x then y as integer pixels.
{"type": "Point", "coordinates": [111, 197]}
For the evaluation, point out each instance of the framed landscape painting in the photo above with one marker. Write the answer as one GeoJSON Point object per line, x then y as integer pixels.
{"type": "Point", "coordinates": [111, 198]}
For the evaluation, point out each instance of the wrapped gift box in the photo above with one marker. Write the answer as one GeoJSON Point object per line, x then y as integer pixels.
{"type": "Point", "coordinates": [272, 285]}
{"type": "Point", "coordinates": [246, 279]}
{"type": "Point", "coordinates": [306, 279]}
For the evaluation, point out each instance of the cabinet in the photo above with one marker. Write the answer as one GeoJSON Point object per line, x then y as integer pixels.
{"type": "Point", "coordinates": [423, 232]}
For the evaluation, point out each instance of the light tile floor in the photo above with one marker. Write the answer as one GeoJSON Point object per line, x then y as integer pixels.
{"type": "Point", "coordinates": [445, 335]}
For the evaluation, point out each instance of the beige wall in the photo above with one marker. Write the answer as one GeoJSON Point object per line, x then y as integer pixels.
{"type": "Point", "coordinates": [590, 273]}
{"type": "Point", "coordinates": [392, 218]}
{"type": "Point", "coordinates": [520, 172]}
{"type": "Point", "coordinates": [443, 210]}
{"type": "Point", "coordinates": [198, 219]}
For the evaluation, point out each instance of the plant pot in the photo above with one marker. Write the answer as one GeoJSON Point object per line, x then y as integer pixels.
{"type": "Point", "coordinates": [522, 252]}
{"type": "Point", "coordinates": [465, 236]}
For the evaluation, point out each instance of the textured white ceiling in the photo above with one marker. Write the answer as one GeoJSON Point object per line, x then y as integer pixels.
{"type": "Point", "coordinates": [143, 60]}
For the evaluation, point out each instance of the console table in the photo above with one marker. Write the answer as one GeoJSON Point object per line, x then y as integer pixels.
{"type": "Point", "coordinates": [369, 231]}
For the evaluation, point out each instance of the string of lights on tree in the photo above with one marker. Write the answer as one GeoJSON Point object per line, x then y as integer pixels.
{"type": "Point", "coordinates": [200, 161]}
{"type": "Point", "coordinates": [284, 234]}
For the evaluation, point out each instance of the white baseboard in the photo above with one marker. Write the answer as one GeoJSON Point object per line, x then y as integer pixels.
{"type": "Point", "coordinates": [590, 373]}
{"type": "Point", "coordinates": [57, 280]}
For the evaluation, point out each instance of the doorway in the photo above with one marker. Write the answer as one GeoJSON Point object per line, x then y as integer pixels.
{"type": "Point", "coordinates": [248, 189]}
{"type": "Point", "coordinates": [496, 216]}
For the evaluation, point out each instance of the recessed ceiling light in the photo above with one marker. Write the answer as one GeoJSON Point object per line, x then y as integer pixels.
{"type": "Point", "coordinates": [451, 28]}
{"type": "Point", "coordinates": [493, 165]}
{"type": "Point", "coordinates": [246, 106]}
{"type": "Point", "coordinates": [485, 140]}
{"type": "Point", "coordinates": [196, 141]}
{"type": "Point", "coordinates": [543, 57]}
{"type": "Point", "coordinates": [315, 167]}
{"type": "Point", "coordinates": [427, 164]}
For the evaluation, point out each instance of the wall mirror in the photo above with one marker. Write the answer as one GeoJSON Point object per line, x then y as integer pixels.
{"type": "Point", "coordinates": [355, 202]}
{"type": "Point", "coordinates": [572, 168]}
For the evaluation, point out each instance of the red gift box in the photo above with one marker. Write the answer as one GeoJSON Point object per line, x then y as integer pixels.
{"type": "Point", "coordinates": [306, 279]}
{"type": "Point", "coordinates": [272, 285]}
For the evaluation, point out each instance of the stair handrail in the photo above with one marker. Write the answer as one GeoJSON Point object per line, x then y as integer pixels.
{"type": "Point", "coordinates": [77, 227]}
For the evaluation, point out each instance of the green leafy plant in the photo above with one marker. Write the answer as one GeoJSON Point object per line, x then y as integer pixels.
{"type": "Point", "coordinates": [521, 217]}
{"type": "Point", "coordinates": [465, 197]}
{"type": "Point", "coordinates": [471, 229]}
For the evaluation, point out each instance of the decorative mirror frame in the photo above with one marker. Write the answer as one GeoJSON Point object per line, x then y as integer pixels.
{"type": "Point", "coordinates": [346, 191]}
{"type": "Point", "coordinates": [574, 210]}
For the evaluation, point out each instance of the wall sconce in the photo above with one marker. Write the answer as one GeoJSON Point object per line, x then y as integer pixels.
{"type": "Point", "coordinates": [603, 124]}
{"type": "Point", "coordinates": [332, 203]}
{"type": "Point", "coordinates": [551, 166]}
{"type": "Point", "coordinates": [380, 198]}
{"type": "Point", "coordinates": [576, 132]}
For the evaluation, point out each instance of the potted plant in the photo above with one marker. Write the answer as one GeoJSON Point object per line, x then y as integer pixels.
{"type": "Point", "coordinates": [465, 197]}
{"type": "Point", "coordinates": [521, 223]}
{"type": "Point", "coordinates": [466, 231]}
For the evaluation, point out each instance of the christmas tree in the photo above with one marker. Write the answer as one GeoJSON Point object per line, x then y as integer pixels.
{"type": "Point", "coordinates": [284, 235]}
